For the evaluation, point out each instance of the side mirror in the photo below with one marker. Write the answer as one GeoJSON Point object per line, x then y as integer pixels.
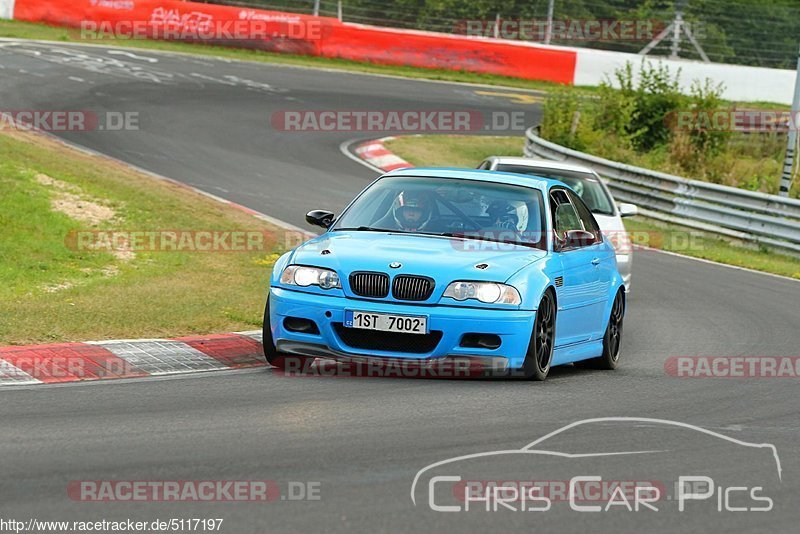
{"type": "Point", "coordinates": [628, 210]}
{"type": "Point", "coordinates": [579, 238]}
{"type": "Point", "coordinates": [320, 218]}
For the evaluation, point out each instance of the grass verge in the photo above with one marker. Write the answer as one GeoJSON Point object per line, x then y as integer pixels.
{"type": "Point", "coordinates": [468, 151]}
{"type": "Point", "coordinates": [61, 281]}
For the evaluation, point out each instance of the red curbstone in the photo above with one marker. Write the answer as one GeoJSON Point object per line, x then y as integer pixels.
{"type": "Point", "coordinates": [234, 350]}
{"type": "Point", "coordinates": [68, 362]}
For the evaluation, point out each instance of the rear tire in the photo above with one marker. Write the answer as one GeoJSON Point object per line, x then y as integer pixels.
{"type": "Point", "coordinates": [612, 339]}
{"type": "Point", "coordinates": [540, 349]}
{"type": "Point", "coordinates": [271, 354]}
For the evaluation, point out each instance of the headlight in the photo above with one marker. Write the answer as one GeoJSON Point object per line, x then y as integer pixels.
{"type": "Point", "coordinates": [299, 275]}
{"type": "Point", "coordinates": [486, 292]}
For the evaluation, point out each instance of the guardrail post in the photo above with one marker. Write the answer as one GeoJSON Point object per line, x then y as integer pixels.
{"type": "Point", "coordinates": [791, 142]}
{"type": "Point", "coordinates": [548, 36]}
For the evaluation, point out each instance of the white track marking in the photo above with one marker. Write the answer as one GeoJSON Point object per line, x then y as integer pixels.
{"type": "Point", "coordinates": [132, 56]}
{"type": "Point", "coordinates": [14, 376]}
{"type": "Point", "coordinates": [117, 381]}
{"type": "Point", "coordinates": [711, 262]}
{"type": "Point", "coordinates": [281, 65]}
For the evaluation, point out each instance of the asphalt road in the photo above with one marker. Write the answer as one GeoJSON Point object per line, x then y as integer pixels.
{"type": "Point", "coordinates": [363, 440]}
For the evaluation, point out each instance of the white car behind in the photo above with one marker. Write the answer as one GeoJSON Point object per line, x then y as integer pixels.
{"type": "Point", "coordinates": [591, 189]}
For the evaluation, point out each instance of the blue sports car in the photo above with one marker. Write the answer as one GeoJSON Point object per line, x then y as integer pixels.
{"type": "Point", "coordinates": [435, 265]}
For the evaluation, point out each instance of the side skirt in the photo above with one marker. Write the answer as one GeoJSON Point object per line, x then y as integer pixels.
{"type": "Point", "coordinates": [577, 352]}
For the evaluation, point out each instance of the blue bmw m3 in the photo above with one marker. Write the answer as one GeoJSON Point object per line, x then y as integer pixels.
{"type": "Point", "coordinates": [451, 265]}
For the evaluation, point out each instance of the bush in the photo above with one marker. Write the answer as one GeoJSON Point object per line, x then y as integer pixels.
{"type": "Point", "coordinates": [637, 112]}
{"type": "Point", "coordinates": [706, 98]}
{"type": "Point", "coordinates": [563, 116]}
{"type": "Point", "coordinates": [636, 123]}
{"type": "Point", "coordinates": [616, 111]}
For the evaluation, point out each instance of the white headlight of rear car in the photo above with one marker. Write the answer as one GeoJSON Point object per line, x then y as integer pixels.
{"type": "Point", "coordinates": [300, 275]}
{"type": "Point", "coordinates": [486, 292]}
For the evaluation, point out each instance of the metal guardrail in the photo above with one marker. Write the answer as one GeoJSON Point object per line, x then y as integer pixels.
{"type": "Point", "coordinates": [747, 215]}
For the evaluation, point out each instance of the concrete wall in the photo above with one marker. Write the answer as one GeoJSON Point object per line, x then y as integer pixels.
{"type": "Point", "coordinates": [742, 83]}
{"type": "Point", "coordinates": [6, 9]}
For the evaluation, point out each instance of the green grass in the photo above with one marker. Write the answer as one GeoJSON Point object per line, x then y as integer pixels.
{"type": "Point", "coordinates": [697, 244]}
{"type": "Point", "coordinates": [51, 290]}
{"type": "Point", "coordinates": [468, 151]}
{"type": "Point", "coordinates": [453, 150]}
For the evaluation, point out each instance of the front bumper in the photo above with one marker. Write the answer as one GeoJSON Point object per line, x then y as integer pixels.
{"type": "Point", "coordinates": [513, 327]}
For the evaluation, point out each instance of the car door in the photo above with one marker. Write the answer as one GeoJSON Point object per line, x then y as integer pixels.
{"type": "Point", "coordinates": [604, 262]}
{"type": "Point", "coordinates": [577, 319]}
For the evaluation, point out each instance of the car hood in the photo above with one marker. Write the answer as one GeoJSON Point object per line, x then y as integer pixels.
{"type": "Point", "coordinates": [440, 258]}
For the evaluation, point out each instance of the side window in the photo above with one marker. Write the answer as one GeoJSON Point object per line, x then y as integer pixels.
{"type": "Point", "coordinates": [587, 219]}
{"type": "Point", "coordinates": [565, 218]}
{"type": "Point", "coordinates": [484, 166]}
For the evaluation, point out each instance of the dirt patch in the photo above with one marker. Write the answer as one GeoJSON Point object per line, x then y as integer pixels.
{"type": "Point", "coordinates": [57, 184]}
{"type": "Point", "coordinates": [55, 288]}
{"type": "Point", "coordinates": [70, 200]}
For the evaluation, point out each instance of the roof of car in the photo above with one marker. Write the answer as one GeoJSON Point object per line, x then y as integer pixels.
{"type": "Point", "coordinates": [530, 162]}
{"type": "Point", "coordinates": [478, 175]}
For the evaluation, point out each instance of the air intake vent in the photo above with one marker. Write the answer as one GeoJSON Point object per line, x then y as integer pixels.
{"type": "Point", "coordinates": [559, 281]}
{"type": "Point", "coordinates": [417, 288]}
{"type": "Point", "coordinates": [388, 341]}
{"type": "Point", "coordinates": [375, 285]}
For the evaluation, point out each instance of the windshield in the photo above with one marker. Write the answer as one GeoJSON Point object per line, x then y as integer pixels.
{"type": "Point", "coordinates": [449, 207]}
{"type": "Point", "coordinates": [585, 184]}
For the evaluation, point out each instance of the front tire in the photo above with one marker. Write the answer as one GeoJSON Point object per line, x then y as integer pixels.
{"type": "Point", "coordinates": [540, 349]}
{"type": "Point", "coordinates": [612, 339]}
{"type": "Point", "coordinates": [271, 354]}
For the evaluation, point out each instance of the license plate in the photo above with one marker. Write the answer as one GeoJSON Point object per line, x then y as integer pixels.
{"type": "Point", "coordinates": [406, 324]}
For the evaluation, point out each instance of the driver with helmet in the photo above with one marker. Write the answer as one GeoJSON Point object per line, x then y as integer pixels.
{"type": "Point", "coordinates": [412, 211]}
{"type": "Point", "coordinates": [503, 215]}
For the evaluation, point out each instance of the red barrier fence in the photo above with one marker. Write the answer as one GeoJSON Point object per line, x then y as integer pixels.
{"type": "Point", "coordinates": [302, 34]}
